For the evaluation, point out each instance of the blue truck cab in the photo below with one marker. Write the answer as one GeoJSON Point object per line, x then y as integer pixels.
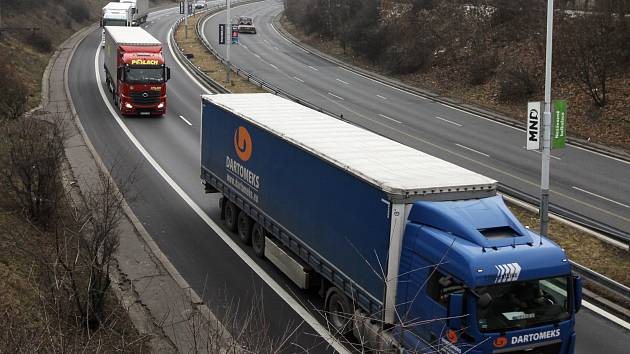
{"type": "Point", "coordinates": [499, 287]}
{"type": "Point", "coordinates": [410, 253]}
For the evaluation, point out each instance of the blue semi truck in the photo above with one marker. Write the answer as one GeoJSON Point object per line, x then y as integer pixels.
{"type": "Point", "coordinates": [410, 253]}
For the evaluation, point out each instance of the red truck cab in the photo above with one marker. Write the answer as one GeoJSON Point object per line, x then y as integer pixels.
{"type": "Point", "coordinates": [138, 82]}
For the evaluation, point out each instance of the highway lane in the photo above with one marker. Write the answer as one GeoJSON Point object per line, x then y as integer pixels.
{"type": "Point", "coordinates": [582, 181]}
{"type": "Point", "coordinates": [188, 242]}
{"type": "Point", "coordinates": [205, 261]}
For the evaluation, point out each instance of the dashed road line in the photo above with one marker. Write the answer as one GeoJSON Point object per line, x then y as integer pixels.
{"type": "Point", "coordinates": [273, 66]}
{"type": "Point", "coordinates": [538, 152]}
{"type": "Point", "coordinates": [314, 68]}
{"type": "Point", "coordinates": [185, 120]}
{"type": "Point", "coordinates": [601, 197]}
{"type": "Point", "coordinates": [343, 82]}
{"type": "Point", "coordinates": [473, 150]}
{"type": "Point", "coordinates": [332, 94]}
{"type": "Point", "coordinates": [298, 79]}
{"type": "Point", "coordinates": [381, 97]}
{"type": "Point", "coordinates": [390, 118]}
{"type": "Point", "coordinates": [448, 121]}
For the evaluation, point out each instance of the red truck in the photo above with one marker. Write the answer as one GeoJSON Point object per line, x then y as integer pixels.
{"type": "Point", "coordinates": [135, 71]}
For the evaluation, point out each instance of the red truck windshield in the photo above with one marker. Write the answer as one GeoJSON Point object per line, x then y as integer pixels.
{"type": "Point", "coordinates": [524, 304]}
{"type": "Point", "coordinates": [145, 75]}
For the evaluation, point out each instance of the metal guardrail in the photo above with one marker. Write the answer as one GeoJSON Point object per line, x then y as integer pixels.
{"type": "Point", "coordinates": [602, 280]}
{"type": "Point", "coordinates": [585, 272]}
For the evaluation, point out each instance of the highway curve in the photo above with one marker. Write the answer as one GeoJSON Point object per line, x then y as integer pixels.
{"type": "Point", "coordinates": [168, 199]}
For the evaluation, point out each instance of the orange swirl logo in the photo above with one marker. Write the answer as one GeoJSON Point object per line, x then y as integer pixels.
{"type": "Point", "coordinates": [500, 342]}
{"type": "Point", "coordinates": [242, 143]}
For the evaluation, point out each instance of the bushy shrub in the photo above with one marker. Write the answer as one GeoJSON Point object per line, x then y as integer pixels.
{"type": "Point", "coordinates": [77, 10]}
{"type": "Point", "coordinates": [516, 85]}
{"type": "Point", "coordinates": [13, 93]}
{"type": "Point", "coordinates": [482, 67]}
{"type": "Point", "coordinates": [39, 40]}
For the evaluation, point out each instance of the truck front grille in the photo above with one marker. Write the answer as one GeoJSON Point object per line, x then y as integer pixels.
{"type": "Point", "coordinates": [146, 97]}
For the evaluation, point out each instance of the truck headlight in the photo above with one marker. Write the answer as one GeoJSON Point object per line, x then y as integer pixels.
{"type": "Point", "coordinates": [161, 105]}
{"type": "Point", "coordinates": [128, 105]}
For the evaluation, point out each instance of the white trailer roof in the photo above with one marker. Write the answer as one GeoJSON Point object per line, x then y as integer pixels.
{"type": "Point", "coordinates": [117, 6]}
{"type": "Point", "coordinates": [131, 36]}
{"type": "Point", "coordinates": [393, 167]}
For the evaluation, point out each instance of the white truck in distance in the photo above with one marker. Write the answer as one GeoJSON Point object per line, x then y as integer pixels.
{"type": "Point", "coordinates": [115, 14]}
{"type": "Point", "coordinates": [139, 10]}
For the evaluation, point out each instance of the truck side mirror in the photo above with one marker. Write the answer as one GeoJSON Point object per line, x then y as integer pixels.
{"type": "Point", "coordinates": [455, 311]}
{"type": "Point", "coordinates": [577, 292]}
{"type": "Point", "coordinates": [168, 74]}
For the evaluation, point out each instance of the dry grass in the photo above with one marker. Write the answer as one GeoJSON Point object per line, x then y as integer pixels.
{"type": "Point", "coordinates": [207, 62]}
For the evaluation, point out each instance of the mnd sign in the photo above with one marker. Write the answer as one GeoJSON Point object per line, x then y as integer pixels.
{"type": "Point", "coordinates": [534, 115]}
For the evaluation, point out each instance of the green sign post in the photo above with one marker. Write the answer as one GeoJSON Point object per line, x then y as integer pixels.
{"type": "Point", "coordinates": [559, 125]}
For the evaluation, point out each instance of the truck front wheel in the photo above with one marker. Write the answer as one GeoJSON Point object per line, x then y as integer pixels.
{"type": "Point", "coordinates": [230, 214]}
{"type": "Point", "coordinates": [245, 228]}
{"type": "Point", "coordinates": [338, 310]}
{"type": "Point", "coordinates": [258, 240]}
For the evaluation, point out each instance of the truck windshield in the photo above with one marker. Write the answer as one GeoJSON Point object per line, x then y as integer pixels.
{"type": "Point", "coordinates": [145, 75]}
{"type": "Point", "coordinates": [114, 22]}
{"type": "Point", "coordinates": [524, 304]}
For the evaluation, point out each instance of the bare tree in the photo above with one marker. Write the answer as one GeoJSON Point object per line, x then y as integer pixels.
{"type": "Point", "coordinates": [592, 47]}
{"type": "Point", "coordinates": [31, 155]}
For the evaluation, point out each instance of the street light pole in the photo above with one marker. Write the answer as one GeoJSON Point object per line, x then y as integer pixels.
{"type": "Point", "coordinates": [228, 43]}
{"type": "Point", "coordinates": [546, 151]}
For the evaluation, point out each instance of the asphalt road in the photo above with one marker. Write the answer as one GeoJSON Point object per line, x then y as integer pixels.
{"type": "Point", "coordinates": [162, 199]}
{"type": "Point", "coordinates": [582, 181]}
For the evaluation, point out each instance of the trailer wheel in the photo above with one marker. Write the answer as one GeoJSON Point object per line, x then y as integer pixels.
{"type": "Point", "coordinates": [231, 214]}
{"type": "Point", "coordinates": [245, 224]}
{"type": "Point", "coordinates": [258, 240]}
{"type": "Point", "coordinates": [338, 311]}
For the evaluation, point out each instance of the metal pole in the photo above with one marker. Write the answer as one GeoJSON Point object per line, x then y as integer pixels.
{"type": "Point", "coordinates": [186, 13]}
{"type": "Point", "coordinates": [546, 152]}
{"type": "Point", "coordinates": [228, 43]}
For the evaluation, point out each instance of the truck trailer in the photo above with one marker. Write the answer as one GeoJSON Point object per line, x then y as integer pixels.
{"type": "Point", "coordinates": [135, 71]}
{"type": "Point", "coordinates": [115, 14]}
{"type": "Point", "coordinates": [410, 253]}
{"type": "Point", "coordinates": [139, 10]}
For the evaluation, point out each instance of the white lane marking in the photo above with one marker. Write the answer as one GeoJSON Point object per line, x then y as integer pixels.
{"type": "Point", "coordinates": [298, 79]}
{"type": "Point", "coordinates": [381, 83]}
{"type": "Point", "coordinates": [600, 154]}
{"type": "Point", "coordinates": [343, 82]}
{"type": "Point", "coordinates": [304, 50]}
{"type": "Point", "coordinates": [392, 119]}
{"type": "Point", "coordinates": [273, 66]}
{"type": "Point", "coordinates": [185, 120]}
{"type": "Point", "coordinates": [276, 48]}
{"type": "Point", "coordinates": [332, 94]}
{"type": "Point", "coordinates": [283, 294]}
{"type": "Point", "coordinates": [244, 46]}
{"type": "Point", "coordinates": [194, 79]}
{"type": "Point", "coordinates": [281, 36]}
{"type": "Point", "coordinates": [601, 197]}
{"type": "Point", "coordinates": [538, 152]}
{"type": "Point", "coordinates": [606, 314]}
{"type": "Point", "coordinates": [473, 150]}
{"type": "Point", "coordinates": [448, 121]}
{"type": "Point", "coordinates": [256, 55]}
{"type": "Point", "coordinates": [313, 68]}
{"type": "Point", "coordinates": [383, 97]}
